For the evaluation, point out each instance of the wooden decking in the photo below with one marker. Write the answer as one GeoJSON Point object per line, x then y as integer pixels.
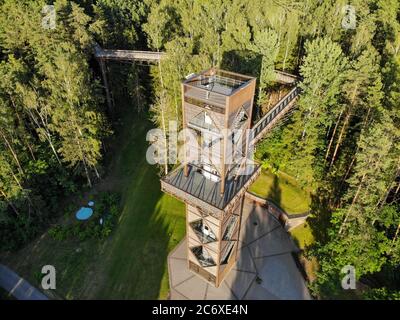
{"type": "Point", "coordinates": [127, 55]}
{"type": "Point", "coordinates": [284, 77]}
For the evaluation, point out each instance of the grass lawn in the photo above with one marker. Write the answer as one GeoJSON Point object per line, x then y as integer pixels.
{"type": "Point", "coordinates": [283, 191]}
{"type": "Point", "coordinates": [302, 234]}
{"type": "Point", "coordinates": [303, 237]}
{"type": "Point", "coordinates": [132, 262]}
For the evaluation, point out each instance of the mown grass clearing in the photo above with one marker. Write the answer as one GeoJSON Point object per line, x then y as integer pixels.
{"type": "Point", "coordinates": [132, 262]}
{"type": "Point", "coordinates": [283, 191]}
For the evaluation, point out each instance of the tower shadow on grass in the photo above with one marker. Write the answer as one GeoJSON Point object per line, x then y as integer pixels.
{"type": "Point", "coordinates": [275, 193]}
{"type": "Point", "coordinates": [135, 258]}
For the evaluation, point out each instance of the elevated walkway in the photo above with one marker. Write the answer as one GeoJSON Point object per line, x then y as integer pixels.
{"type": "Point", "coordinates": [127, 55]}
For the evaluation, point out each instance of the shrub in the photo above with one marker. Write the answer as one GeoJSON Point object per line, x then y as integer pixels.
{"type": "Point", "coordinates": [58, 233]}
{"type": "Point", "coordinates": [107, 206]}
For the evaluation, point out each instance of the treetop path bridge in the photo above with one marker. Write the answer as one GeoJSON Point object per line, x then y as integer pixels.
{"type": "Point", "coordinates": [127, 55]}
{"type": "Point", "coordinates": [273, 116]}
{"type": "Point", "coordinates": [259, 129]}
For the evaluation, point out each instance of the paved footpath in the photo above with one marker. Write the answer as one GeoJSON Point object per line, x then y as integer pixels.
{"type": "Point", "coordinates": [17, 286]}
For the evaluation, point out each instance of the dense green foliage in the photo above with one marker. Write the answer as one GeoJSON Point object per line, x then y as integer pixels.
{"type": "Point", "coordinates": [131, 263]}
{"type": "Point", "coordinates": [51, 119]}
{"type": "Point", "coordinates": [342, 142]}
{"type": "Point", "coordinates": [106, 210]}
{"type": "Point", "coordinates": [302, 235]}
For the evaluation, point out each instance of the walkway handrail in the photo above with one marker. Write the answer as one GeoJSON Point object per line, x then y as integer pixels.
{"type": "Point", "coordinates": [129, 55]}
{"type": "Point", "coordinates": [282, 105]}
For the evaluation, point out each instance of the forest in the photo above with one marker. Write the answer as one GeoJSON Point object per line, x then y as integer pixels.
{"type": "Point", "coordinates": [342, 140]}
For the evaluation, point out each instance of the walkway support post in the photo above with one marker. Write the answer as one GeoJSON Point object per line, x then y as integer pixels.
{"type": "Point", "coordinates": [108, 94]}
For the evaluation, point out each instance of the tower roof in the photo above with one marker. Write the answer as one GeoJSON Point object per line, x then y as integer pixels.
{"type": "Point", "coordinates": [218, 81]}
{"type": "Point", "coordinates": [200, 191]}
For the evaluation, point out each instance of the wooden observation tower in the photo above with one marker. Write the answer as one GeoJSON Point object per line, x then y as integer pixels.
{"type": "Point", "coordinates": [217, 107]}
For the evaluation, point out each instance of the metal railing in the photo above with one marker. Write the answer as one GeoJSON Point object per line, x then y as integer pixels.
{"type": "Point", "coordinates": [275, 112]}
{"type": "Point", "coordinates": [129, 55]}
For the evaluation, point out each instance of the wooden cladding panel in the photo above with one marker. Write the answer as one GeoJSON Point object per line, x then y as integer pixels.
{"type": "Point", "coordinates": [240, 97]}
{"type": "Point", "coordinates": [227, 267]}
{"type": "Point", "coordinates": [200, 271]}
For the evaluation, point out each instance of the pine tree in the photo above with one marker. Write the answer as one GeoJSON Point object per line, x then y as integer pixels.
{"type": "Point", "coordinates": [266, 43]}
{"type": "Point", "coordinates": [322, 73]}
